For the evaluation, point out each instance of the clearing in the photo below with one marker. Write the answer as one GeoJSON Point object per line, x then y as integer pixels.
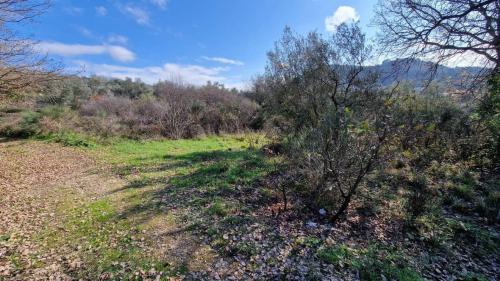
{"type": "Point", "coordinates": [194, 209]}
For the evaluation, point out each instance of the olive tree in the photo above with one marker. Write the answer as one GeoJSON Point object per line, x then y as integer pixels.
{"type": "Point", "coordinates": [329, 111]}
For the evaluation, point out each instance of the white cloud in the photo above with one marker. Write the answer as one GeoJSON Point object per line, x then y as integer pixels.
{"type": "Point", "coordinates": [85, 32]}
{"type": "Point", "coordinates": [73, 10]}
{"type": "Point", "coordinates": [191, 74]}
{"type": "Point", "coordinates": [116, 52]}
{"type": "Point", "coordinates": [140, 15]}
{"type": "Point", "coordinates": [160, 3]}
{"type": "Point", "coordinates": [117, 39]}
{"type": "Point", "coordinates": [100, 10]}
{"type": "Point", "coordinates": [223, 60]}
{"type": "Point", "coordinates": [341, 15]}
{"type": "Point", "coordinates": [467, 59]}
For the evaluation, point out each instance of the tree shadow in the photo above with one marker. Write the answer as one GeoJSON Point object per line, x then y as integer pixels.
{"type": "Point", "coordinates": [204, 192]}
{"type": "Point", "coordinates": [198, 179]}
{"type": "Point", "coordinates": [7, 140]}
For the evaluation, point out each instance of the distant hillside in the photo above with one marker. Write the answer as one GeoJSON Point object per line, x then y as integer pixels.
{"type": "Point", "coordinates": [418, 72]}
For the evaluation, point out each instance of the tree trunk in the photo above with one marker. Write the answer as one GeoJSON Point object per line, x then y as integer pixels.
{"type": "Point", "coordinates": [343, 207]}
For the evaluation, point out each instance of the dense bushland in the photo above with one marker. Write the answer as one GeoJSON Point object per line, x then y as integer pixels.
{"type": "Point", "coordinates": [133, 109]}
{"type": "Point", "coordinates": [328, 111]}
{"type": "Point", "coordinates": [338, 126]}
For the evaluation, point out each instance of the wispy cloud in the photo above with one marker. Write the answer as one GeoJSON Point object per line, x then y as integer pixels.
{"type": "Point", "coordinates": [162, 4]}
{"type": "Point", "coordinates": [342, 15]}
{"type": "Point", "coordinates": [223, 60]}
{"type": "Point", "coordinates": [73, 10]}
{"type": "Point", "coordinates": [140, 15]}
{"type": "Point", "coordinates": [192, 74]}
{"type": "Point", "coordinates": [118, 53]}
{"type": "Point", "coordinates": [101, 11]}
{"type": "Point", "coordinates": [85, 32]}
{"type": "Point", "coordinates": [117, 39]}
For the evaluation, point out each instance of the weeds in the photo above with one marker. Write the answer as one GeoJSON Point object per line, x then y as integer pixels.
{"type": "Point", "coordinates": [340, 254]}
{"type": "Point", "coordinates": [376, 262]}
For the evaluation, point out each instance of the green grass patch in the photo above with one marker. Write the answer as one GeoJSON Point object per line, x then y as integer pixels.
{"type": "Point", "coordinates": [194, 182]}
{"type": "Point", "coordinates": [335, 254]}
{"type": "Point", "coordinates": [105, 243]}
{"type": "Point", "coordinates": [372, 263]}
{"type": "Point", "coordinates": [218, 208]}
{"type": "Point", "coordinates": [69, 139]}
{"type": "Point", "coordinates": [463, 191]}
{"type": "Point", "coordinates": [377, 261]}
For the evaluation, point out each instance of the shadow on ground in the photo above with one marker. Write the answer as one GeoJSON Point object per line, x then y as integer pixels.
{"type": "Point", "coordinates": [198, 194]}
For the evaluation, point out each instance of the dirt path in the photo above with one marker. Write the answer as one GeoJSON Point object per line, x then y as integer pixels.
{"type": "Point", "coordinates": [35, 180]}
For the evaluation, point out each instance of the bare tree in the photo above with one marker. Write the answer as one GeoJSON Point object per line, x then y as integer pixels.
{"type": "Point", "coordinates": [441, 30]}
{"type": "Point", "coordinates": [20, 65]}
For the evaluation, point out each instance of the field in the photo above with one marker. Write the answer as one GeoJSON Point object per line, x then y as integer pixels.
{"type": "Point", "coordinates": [193, 209]}
{"type": "Point", "coordinates": [143, 140]}
{"type": "Point", "coordinates": [128, 209]}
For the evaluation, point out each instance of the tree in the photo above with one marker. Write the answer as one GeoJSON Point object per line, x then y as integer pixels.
{"type": "Point", "coordinates": [329, 111]}
{"type": "Point", "coordinates": [20, 65]}
{"type": "Point", "coordinates": [449, 31]}
{"type": "Point", "coordinates": [133, 89]}
{"type": "Point", "coordinates": [441, 29]}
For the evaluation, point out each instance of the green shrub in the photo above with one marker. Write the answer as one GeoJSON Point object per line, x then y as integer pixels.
{"type": "Point", "coordinates": [419, 198]}
{"type": "Point", "coordinates": [69, 139]}
{"type": "Point", "coordinates": [30, 117]}
{"type": "Point", "coordinates": [27, 126]}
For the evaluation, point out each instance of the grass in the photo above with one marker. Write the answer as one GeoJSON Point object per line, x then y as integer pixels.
{"type": "Point", "coordinates": [107, 246]}
{"type": "Point", "coordinates": [464, 191]}
{"type": "Point", "coordinates": [68, 139]}
{"type": "Point", "coordinates": [178, 186]}
{"type": "Point", "coordinates": [377, 261]}
{"type": "Point", "coordinates": [178, 192]}
{"type": "Point", "coordinates": [335, 254]}
{"type": "Point", "coordinates": [218, 208]}
{"type": "Point", "coordinates": [372, 262]}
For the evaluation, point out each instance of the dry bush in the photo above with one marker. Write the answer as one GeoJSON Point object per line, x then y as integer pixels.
{"type": "Point", "coordinates": [175, 111]}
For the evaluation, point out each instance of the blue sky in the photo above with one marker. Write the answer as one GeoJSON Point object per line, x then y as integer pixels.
{"type": "Point", "coordinates": [191, 40]}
